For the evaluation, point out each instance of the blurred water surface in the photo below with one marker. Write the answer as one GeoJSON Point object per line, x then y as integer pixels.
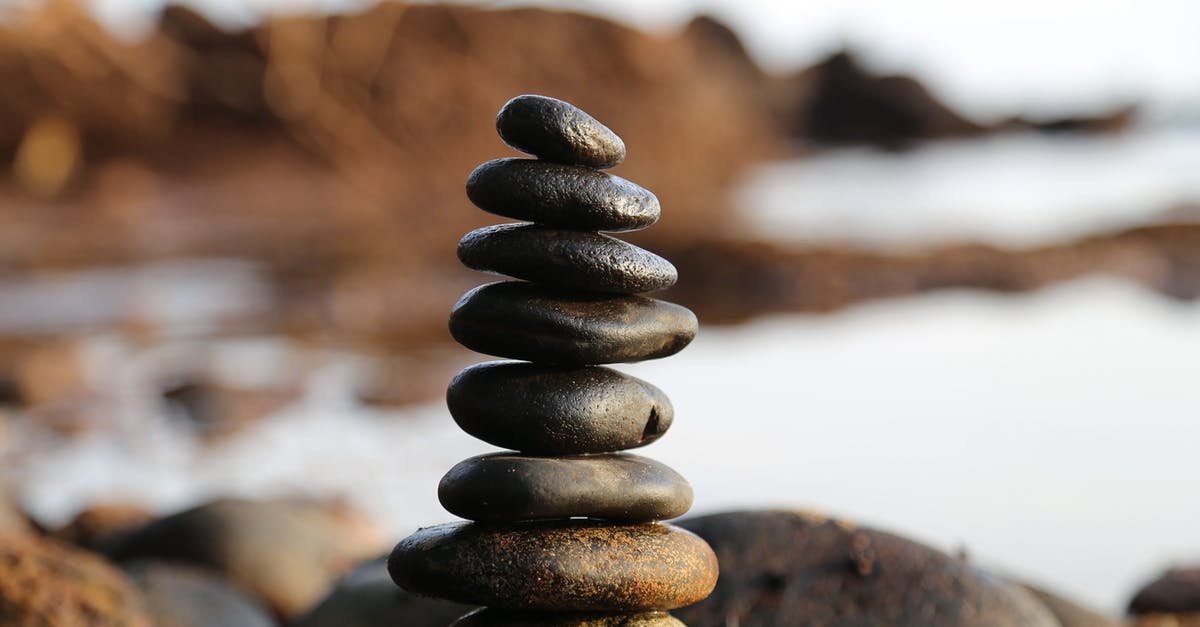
{"type": "Point", "coordinates": [1012, 190]}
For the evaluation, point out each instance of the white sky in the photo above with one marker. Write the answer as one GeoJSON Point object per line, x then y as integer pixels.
{"type": "Point", "coordinates": [989, 58]}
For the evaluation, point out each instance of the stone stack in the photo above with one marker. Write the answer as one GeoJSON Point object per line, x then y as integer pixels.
{"type": "Point", "coordinates": [564, 528]}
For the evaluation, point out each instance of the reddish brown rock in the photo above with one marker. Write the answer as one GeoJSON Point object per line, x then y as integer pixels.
{"type": "Point", "coordinates": [47, 584]}
{"type": "Point", "coordinates": [781, 568]}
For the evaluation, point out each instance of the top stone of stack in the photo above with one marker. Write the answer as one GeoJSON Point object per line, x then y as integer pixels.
{"type": "Point", "coordinates": [558, 132]}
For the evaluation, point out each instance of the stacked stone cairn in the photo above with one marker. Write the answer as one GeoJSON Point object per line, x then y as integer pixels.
{"type": "Point", "coordinates": [564, 530]}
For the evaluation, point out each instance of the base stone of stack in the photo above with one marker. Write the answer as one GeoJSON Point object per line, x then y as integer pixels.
{"type": "Point", "coordinates": [502, 618]}
{"type": "Point", "coordinates": [570, 566]}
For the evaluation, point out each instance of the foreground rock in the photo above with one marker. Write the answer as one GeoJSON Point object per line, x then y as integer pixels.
{"type": "Point", "coordinates": [1176, 591]}
{"type": "Point", "coordinates": [47, 584]}
{"type": "Point", "coordinates": [287, 553]}
{"type": "Point", "coordinates": [367, 597]}
{"type": "Point", "coordinates": [182, 596]}
{"type": "Point", "coordinates": [781, 568]}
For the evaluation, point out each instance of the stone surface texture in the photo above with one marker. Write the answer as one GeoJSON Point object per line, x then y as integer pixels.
{"type": "Point", "coordinates": [504, 487]}
{"type": "Point", "coordinates": [562, 196]}
{"type": "Point", "coordinates": [783, 568]}
{"type": "Point", "coordinates": [548, 410]}
{"type": "Point", "coordinates": [557, 131]}
{"type": "Point", "coordinates": [44, 583]}
{"type": "Point", "coordinates": [527, 321]}
{"type": "Point", "coordinates": [558, 565]}
{"type": "Point", "coordinates": [580, 260]}
{"type": "Point", "coordinates": [501, 618]}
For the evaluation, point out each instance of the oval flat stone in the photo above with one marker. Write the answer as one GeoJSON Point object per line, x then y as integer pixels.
{"type": "Point", "coordinates": [583, 566]}
{"type": "Point", "coordinates": [524, 321]}
{"type": "Point", "coordinates": [506, 618]}
{"type": "Point", "coordinates": [554, 410]}
{"type": "Point", "coordinates": [558, 195]}
{"type": "Point", "coordinates": [558, 131]}
{"type": "Point", "coordinates": [581, 260]}
{"type": "Point", "coordinates": [507, 487]}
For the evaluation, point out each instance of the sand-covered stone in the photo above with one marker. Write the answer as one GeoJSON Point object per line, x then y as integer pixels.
{"type": "Point", "coordinates": [502, 618]}
{"type": "Point", "coordinates": [558, 131]}
{"type": "Point", "coordinates": [563, 196]}
{"type": "Point", "coordinates": [550, 410]}
{"type": "Point", "coordinates": [525, 321]}
{"type": "Point", "coordinates": [507, 487]}
{"type": "Point", "coordinates": [44, 583]}
{"type": "Point", "coordinates": [581, 260]}
{"type": "Point", "coordinates": [557, 565]}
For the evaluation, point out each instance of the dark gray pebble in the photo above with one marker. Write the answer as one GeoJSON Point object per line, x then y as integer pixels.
{"type": "Point", "coordinates": [581, 260]}
{"type": "Point", "coordinates": [525, 321]}
{"type": "Point", "coordinates": [176, 595]}
{"type": "Point", "coordinates": [507, 487]}
{"type": "Point", "coordinates": [582, 566]}
{"type": "Point", "coordinates": [782, 568]}
{"type": "Point", "coordinates": [1176, 591]}
{"type": "Point", "coordinates": [504, 618]}
{"type": "Point", "coordinates": [554, 410]}
{"type": "Point", "coordinates": [558, 131]}
{"type": "Point", "coordinates": [563, 196]}
{"type": "Point", "coordinates": [367, 597]}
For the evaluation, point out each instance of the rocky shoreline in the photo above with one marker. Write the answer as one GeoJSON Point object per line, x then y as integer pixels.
{"type": "Point", "coordinates": [219, 563]}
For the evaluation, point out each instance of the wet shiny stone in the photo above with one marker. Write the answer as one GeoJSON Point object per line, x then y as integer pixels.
{"type": "Point", "coordinates": [508, 487]}
{"type": "Point", "coordinates": [558, 131]}
{"type": "Point", "coordinates": [579, 260]}
{"type": "Point", "coordinates": [550, 410]}
{"type": "Point", "coordinates": [525, 321]}
{"type": "Point", "coordinates": [562, 196]}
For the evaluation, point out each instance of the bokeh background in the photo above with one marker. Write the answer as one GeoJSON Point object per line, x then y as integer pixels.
{"type": "Point", "coordinates": [945, 255]}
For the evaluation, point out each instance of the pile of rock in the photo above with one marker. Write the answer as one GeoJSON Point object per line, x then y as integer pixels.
{"type": "Point", "coordinates": [564, 529]}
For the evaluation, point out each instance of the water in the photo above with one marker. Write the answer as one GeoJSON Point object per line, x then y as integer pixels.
{"type": "Point", "coordinates": [1051, 435]}
{"type": "Point", "coordinates": [1011, 190]}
